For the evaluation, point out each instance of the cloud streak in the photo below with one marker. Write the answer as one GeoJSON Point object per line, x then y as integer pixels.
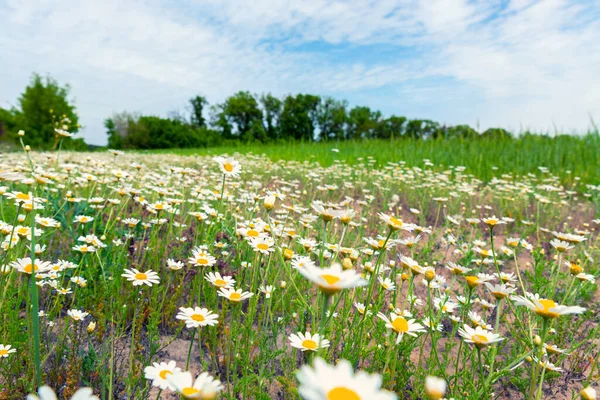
{"type": "Point", "coordinates": [530, 64]}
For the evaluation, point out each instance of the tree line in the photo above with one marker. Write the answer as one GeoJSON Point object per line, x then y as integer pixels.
{"type": "Point", "coordinates": [45, 107]}
{"type": "Point", "coordinates": [248, 117]}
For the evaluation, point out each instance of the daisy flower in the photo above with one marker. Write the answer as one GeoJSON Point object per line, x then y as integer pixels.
{"type": "Point", "coordinates": [201, 258]}
{"type": "Point", "coordinates": [228, 166]}
{"type": "Point", "coordinates": [401, 325]}
{"type": "Point", "coordinates": [174, 265]}
{"type": "Point", "coordinates": [387, 283]}
{"type": "Point", "coordinates": [333, 279]}
{"type": "Point", "coordinates": [26, 265]}
{"type": "Point", "coordinates": [203, 387]}
{"type": "Point", "coordinates": [219, 281]}
{"type": "Point", "coordinates": [302, 261]}
{"type": "Point", "coordinates": [196, 317]}
{"type": "Point", "coordinates": [266, 290]}
{"type": "Point", "coordinates": [158, 374]}
{"type": "Point", "coordinates": [395, 224]}
{"type": "Point", "coordinates": [323, 381]}
{"type": "Point", "coordinates": [5, 350]}
{"type": "Point", "coordinates": [546, 308]}
{"type": "Point", "coordinates": [77, 315]}
{"type": "Point", "coordinates": [500, 291]}
{"type": "Point", "coordinates": [83, 219]}
{"type": "Point", "coordinates": [308, 342]}
{"type": "Point", "coordinates": [435, 388]}
{"type": "Point", "coordinates": [46, 393]}
{"type": "Point", "coordinates": [234, 295]}
{"type": "Point", "coordinates": [141, 278]}
{"type": "Point", "coordinates": [479, 337]}
{"type": "Point", "coordinates": [264, 245]}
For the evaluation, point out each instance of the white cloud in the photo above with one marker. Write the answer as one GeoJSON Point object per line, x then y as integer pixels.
{"type": "Point", "coordinates": [527, 63]}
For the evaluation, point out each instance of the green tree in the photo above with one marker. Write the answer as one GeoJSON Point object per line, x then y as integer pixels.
{"type": "Point", "coordinates": [238, 114]}
{"type": "Point", "coordinates": [332, 118]}
{"type": "Point", "coordinates": [272, 108]}
{"type": "Point", "coordinates": [299, 117]}
{"type": "Point", "coordinates": [362, 123]}
{"type": "Point", "coordinates": [44, 106]}
{"type": "Point", "coordinates": [197, 104]}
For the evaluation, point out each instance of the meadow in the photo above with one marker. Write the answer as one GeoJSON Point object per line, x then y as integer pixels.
{"type": "Point", "coordinates": [334, 271]}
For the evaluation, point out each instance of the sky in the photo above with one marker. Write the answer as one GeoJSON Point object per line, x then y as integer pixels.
{"type": "Point", "coordinates": [516, 64]}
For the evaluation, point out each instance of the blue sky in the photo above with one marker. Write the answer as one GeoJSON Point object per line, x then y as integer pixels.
{"type": "Point", "coordinates": [517, 64]}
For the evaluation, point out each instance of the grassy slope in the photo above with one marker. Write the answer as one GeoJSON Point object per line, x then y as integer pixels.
{"type": "Point", "coordinates": [580, 155]}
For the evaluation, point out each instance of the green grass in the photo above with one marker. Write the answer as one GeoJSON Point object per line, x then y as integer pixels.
{"type": "Point", "coordinates": [565, 156]}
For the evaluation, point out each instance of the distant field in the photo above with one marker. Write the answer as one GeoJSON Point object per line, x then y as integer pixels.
{"type": "Point", "coordinates": [566, 156]}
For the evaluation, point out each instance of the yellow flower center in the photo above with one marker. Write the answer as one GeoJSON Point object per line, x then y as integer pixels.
{"type": "Point", "coordinates": [235, 296]}
{"type": "Point", "coordinates": [220, 282]}
{"type": "Point", "coordinates": [23, 196]}
{"type": "Point", "coordinates": [163, 374]}
{"type": "Point", "coordinates": [141, 276]}
{"type": "Point", "coordinates": [262, 246]}
{"type": "Point", "coordinates": [545, 310]}
{"type": "Point", "coordinates": [330, 279]}
{"type": "Point", "coordinates": [400, 325]}
{"type": "Point", "coordinates": [472, 281]}
{"type": "Point", "coordinates": [309, 344]}
{"type": "Point", "coordinates": [189, 391]}
{"type": "Point", "coordinates": [252, 233]}
{"type": "Point", "coordinates": [22, 231]}
{"type": "Point", "coordinates": [202, 261]}
{"type": "Point", "coordinates": [197, 317]}
{"type": "Point", "coordinates": [29, 267]}
{"type": "Point", "coordinates": [3, 353]}
{"type": "Point", "coordinates": [479, 339]}
{"type": "Point", "coordinates": [228, 167]}
{"type": "Point", "coordinates": [396, 222]}
{"type": "Point", "coordinates": [342, 393]}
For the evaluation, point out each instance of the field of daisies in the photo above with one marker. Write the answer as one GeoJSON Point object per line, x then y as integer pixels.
{"type": "Point", "coordinates": [130, 276]}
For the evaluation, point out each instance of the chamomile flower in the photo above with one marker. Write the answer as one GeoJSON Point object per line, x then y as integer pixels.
{"type": "Point", "coordinates": [201, 258]}
{"type": "Point", "coordinates": [322, 381]}
{"type": "Point", "coordinates": [402, 325]}
{"type": "Point", "coordinates": [203, 387]}
{"type": "Point", "coordinates": [5, 350]}
{"type": "Point", "coordinates": [396, 224]}
{"type": "Point", "coordinates": [27, 266]}
{"type": "Point", "coordinates": [158, 373]}
{"type": "Point", "coordinates": [141, 278]}
{"type": "Point", "coordinates": [77, 315]}
{"type": "Point", "coordinates": [219, 281]}
{"type": "Point", "coordinates": [228, 166]}
{"type": "Point", "coordinates": [546, 308]}
{"type": "Point", "coordinates": [308, 342]}
{"type": "Point", "coordinates": [332, 279]}
{"type": "Point", "coordinates": [264, 245]}
{"type": "Point", "coordinates": [479, 337]}
{"type": "Point", "coordinates": [196, 317]}
{"type": "Point", "coordinates": [435, 388]}
{"type": "Point", "coordinates": [46, 393]}
{"type": "Point", "coordinates": [266, 290]}
{"type": "Point", "coordinates": [83, 219]}
{"type": "Point", "coordinates": [234, 295]}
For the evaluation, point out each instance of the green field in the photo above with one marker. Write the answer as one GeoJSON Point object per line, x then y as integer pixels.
{"type": "Point", "coordinates": [565, 156]}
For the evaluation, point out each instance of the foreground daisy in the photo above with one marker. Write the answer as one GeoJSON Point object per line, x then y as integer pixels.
{"type": "Point", "coordinates": [5, 350]}
{"type": "Point", "coordinates": [401, 325]}
{"type": "Point", "coordinates": [306, 341]}
{"type": "Point", "coordinates": [203, 387]}
{"type": "Point", "coordinates": [195, 317]}
{"type": "Point", "coordinates": [546, 308]}
{"type": "Point", "coordinates": [141, 278]}
{"type": "Point", "coordinates": [333, 279]}
{"type": "Point", "coordinates": [479, 336]}
{"type": "Point", "coordinates": [435, 387]}
{"type": "Point", "coordinates": [158, 374]}
{"type": "Point", "coordinates": [327, 382]}
{"type": "Point", "coordinates": [219, 281]}
{"type": "Point", "coordinates": [234, 295]}
{"type": "Point", "coordinates": [46, 393]}
{"type": "Point", "coordinates": [26, 266]}
{"type": "Point", "coordinates": [228, 166]}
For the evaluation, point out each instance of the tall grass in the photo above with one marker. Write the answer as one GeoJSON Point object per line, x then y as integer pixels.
{"type": "Point", "coordinates": [566, 156]}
